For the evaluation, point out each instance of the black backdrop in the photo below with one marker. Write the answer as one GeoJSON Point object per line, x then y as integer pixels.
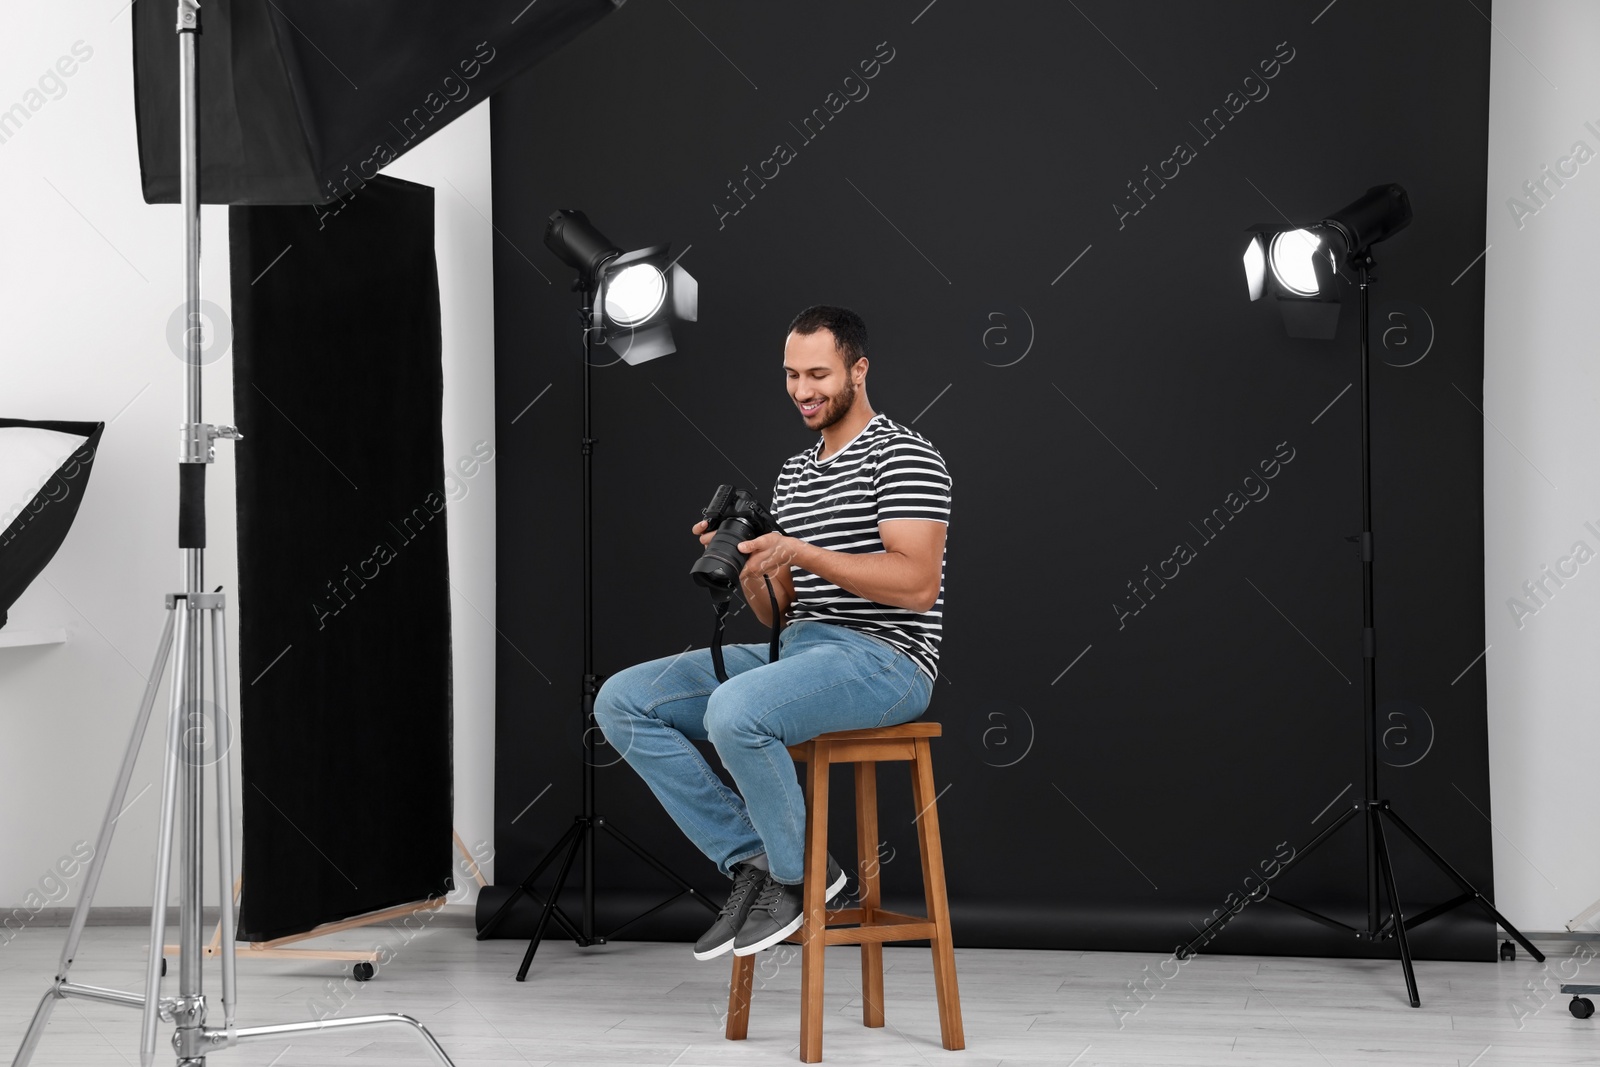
{"type": "Point", "coordinates": [1099, 386]}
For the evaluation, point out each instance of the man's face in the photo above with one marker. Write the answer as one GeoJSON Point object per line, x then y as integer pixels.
{"type": "Point", "coordinates": [818, 384]}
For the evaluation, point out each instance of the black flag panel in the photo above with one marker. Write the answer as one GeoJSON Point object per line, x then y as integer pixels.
{"type": "Point", "coordinates": [344, 590]}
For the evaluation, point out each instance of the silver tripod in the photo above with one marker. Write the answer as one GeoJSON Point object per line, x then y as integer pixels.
{"type": "Point", "coordinates": [183, 783]}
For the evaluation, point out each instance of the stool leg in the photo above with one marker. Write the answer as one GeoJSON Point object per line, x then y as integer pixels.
{"type": "Point", "coordinates": [739, 990]}
{"type": "Point", "coordinates": [814, 931]}
{"type": "Point", "coordinates": [871, 895]}
{"type": "Point", "coordinates": [928, 842]}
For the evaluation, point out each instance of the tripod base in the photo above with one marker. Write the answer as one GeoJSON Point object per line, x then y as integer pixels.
{"type": "Point", "coordinates": [581, 835]}
{"type": "Point", "coordinates": [206, 1040]}
{"type": "Point", "coordinates": [190, 616]}
{"type": "Point", "coordinates": [1395, 925]}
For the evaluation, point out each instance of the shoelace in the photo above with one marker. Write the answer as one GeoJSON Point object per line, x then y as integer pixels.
{"type": "Point", "coordinates": [741, 888]}
{"type": "Point", "coordinates": [771, 893]}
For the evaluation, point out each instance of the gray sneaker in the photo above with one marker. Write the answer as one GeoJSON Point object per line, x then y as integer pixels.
{"type": "Point", "coordinates": [747, 882]}
{"type": "Point", "coordinates": [778, 911]}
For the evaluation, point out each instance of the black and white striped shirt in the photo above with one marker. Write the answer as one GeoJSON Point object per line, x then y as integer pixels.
{"type": "Point", "coordinates": [886, 472]}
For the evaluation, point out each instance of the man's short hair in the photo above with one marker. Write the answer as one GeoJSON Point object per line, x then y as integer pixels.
{"type": "Point", "coordinates": [849, 332]}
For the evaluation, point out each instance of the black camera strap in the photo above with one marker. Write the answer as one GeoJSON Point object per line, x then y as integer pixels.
{"type": "Point", "coordinates": [720, 606]}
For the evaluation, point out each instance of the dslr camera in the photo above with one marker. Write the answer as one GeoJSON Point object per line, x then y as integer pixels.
{"type": "Point", "coordinates": [736, 516]}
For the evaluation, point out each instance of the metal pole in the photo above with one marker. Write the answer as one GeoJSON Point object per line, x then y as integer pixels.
{"type": "Point", "coordinates": [1369, 685]}
{"type": "Point", "coordinates": [590, 688]}
{"type": "Point", "coordinates": [169, 811]}
{"type": "Point", "coordinates": [220, 756]}
{"type": "Point", "coordinates": [189, 1013]}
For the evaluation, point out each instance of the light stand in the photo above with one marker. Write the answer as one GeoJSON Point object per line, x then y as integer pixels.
{"type": "Point", "coordinates": [1377, 215]}
{"type": "Point", "coordinates": [183, 784]}
{"type": "Point", "coordinates": [597, 259]}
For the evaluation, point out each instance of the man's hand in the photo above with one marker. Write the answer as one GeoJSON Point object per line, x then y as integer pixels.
{"type": "Point", "coordinates": [770, 555]}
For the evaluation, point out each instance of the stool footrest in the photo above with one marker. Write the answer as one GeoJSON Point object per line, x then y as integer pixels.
{"type": "Point", "coordinates": [851, 926]}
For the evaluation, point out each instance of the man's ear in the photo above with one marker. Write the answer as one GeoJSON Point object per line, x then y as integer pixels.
{"type": "Point", "coordinates": [860, 371]}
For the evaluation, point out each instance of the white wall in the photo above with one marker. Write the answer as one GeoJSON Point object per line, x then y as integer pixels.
{"type": "Point", "coordinates": [1541, 466]}
{"type": "Point", "coordinates": [88, 277]}
{"type": "Point", "coordinates": [455, 162]}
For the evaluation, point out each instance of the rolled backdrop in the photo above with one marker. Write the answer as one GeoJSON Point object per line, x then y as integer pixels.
{"type": "Point", "coordinates": [344, 594]}
{"type": "Point", "coordinates": [1041, 219]}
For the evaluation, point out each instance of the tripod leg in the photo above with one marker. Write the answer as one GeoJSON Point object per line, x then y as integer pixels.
{"type": "Point", "coordinates": [169, 817]}
{"type": "Point", "coordinates": [114, 810]}
{"type": "Point", "coordinates": [523, 886]}
{"type": "Point", "coordinates": [334, 1024]}
{"type": "Point", "coordinates": [555, 894]}
{"type": "Point", "coordinates": [1386, 870]}
{"type": "Point", "coordinates": [119, 792]}
{"type": "Point", "coordinates": [1216, 925]}
{"type": "Point", "coordinates": [661, 868]}
{"type": "Point", "coordinates": [1466, 886]}
{"type": "Point", "coordinates": [41, 1019]}
{"type": "Point", "coordinates": [225, 923]}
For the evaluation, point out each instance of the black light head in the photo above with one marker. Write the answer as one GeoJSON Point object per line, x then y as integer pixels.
{"type": "Point", "coordinates": [1304, 266]}
{"type": "Point", "coordinates": [575, 241]}
{"type": "Point", "coordinates": [1377, 215]}
{"type": "Point", "coordinates": [633, 297]}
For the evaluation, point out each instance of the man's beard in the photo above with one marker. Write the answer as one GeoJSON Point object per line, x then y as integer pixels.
{"type": "Point", "coordinates": [838, 407]}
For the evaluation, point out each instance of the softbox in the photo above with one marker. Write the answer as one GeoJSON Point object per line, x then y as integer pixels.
{"type": "Point", "coordinates": [44, 469]}
{"type": "Point", "coordinates": [304, 101]}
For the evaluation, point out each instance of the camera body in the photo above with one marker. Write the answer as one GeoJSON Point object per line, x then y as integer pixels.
{"type": "Point", "coordinates": [736, 516]}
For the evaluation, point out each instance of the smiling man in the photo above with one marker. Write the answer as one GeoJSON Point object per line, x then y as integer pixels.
{"type": "Point", "coordinates": [859, 580]}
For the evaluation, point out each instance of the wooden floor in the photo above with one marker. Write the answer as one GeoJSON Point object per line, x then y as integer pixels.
{"type": "Point", "coordinates": [652, 1004]}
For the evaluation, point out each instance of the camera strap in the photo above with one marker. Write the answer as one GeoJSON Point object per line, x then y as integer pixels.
{"type": "Point", "coordinates": [721, 608]}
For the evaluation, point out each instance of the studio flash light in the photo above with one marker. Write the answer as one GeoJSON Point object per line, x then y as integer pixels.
{"type": "Point", "coordinates": [1305, 267]}
{"type": "Point", "coordinates": [634, 296]}
{"type": "Point", "coordinates": [629, 301]}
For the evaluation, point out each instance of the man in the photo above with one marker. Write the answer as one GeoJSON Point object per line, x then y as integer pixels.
{"type": "Point", "coordinates": [860, 584]}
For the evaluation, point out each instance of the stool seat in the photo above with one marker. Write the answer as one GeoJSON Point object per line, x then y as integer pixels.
{"type": "Point", "coordinates": [868, 746]}
{"type": "Point", "coordinates": [868, 925]}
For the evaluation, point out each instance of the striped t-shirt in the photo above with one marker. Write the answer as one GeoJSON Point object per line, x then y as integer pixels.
{"type": "Point", "coordinates": [886, 472]}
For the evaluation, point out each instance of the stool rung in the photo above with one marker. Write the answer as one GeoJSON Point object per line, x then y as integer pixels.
{"type": "Point", "coordinates": [878, 933]}
{"type": "Point", "coordinates": [850, 926]}
{"type": "Point", "coordinates": [852, 916]}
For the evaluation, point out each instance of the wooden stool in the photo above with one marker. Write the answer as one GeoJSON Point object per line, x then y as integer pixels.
{"type": "Point", "coordinates": [868, 925]}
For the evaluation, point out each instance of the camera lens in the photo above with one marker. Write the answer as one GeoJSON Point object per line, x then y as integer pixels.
{"type": "Point", "coordinates": [719, 567]}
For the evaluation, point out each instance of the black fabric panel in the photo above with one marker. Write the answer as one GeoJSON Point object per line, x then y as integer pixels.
{"type": "Point", "coordinates": [344, 596]}
{"type": "Point", "coordinates": [302, 101]}
{"type": "Point", "coordinates": [29, 541]}
{"type": "Point", "coordinates": [945, 197]}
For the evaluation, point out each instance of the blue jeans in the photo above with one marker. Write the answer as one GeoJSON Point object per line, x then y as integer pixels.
{"type": "Point", "coordinates": [827, 677]}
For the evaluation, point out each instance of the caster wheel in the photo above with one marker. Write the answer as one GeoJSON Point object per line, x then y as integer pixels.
{"type": "Point", "coordinates": [363, 972]}
{"type": "Point", "coordinates": [1581, 1007]}
{"type": "Point", "coordinates": [163, 966]}
{"type": "Point", "coordinates": [1508, 951]}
